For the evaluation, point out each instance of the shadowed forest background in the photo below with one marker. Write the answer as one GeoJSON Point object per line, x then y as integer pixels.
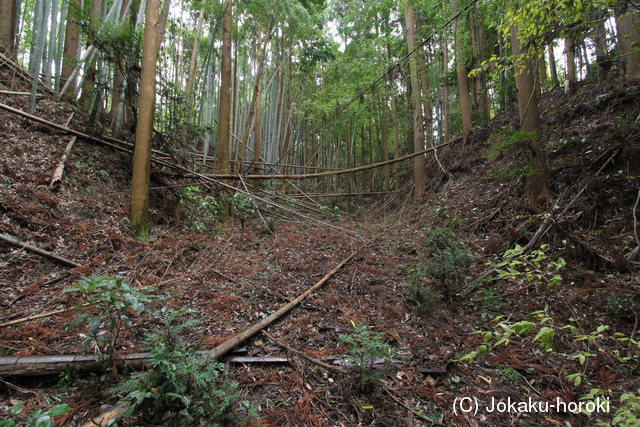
{"type": "Point", "coordinates": [318, 213]}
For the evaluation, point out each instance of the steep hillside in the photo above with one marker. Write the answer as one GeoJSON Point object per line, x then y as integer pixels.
{"type": "Point", "coordinates": [568, 306]}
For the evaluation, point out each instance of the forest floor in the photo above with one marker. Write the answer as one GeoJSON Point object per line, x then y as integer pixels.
{"type": "Point", "coordinates": [555, 325]}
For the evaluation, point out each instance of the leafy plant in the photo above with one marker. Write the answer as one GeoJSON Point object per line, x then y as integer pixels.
{"type": "Point", "coordinates": [366, 350]}
{"type": "Point", "coordinates": [628, 415]}
{"type": "Point", "coordinates": [535, 267]}
{"type": "Point", "coordinates": [199, 211]}
{"type": "Point", "coordinates": [112, 300]}
{"type": "Point", "coordinates": [37, 418]}
{"type": "Point", "coordinates": [449, 262]}
{"type": "Point", "coordinates": [505, 332]}
{"type": "Point", "coordinates": [244, 207]}
{"type": "Point", "coordinates": [182, 381]}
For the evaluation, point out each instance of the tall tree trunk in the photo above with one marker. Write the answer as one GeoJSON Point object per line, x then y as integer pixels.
{"type": "Point", "coordinates": [70, 54]}
{"type": "Point", "coordinates": [254, 97]}
{"type": "Point", "coordinates": [536, 165]}
{"type": "Point", "coordinates": [627, 24]}
{"type": "Point", "coordinates": [463, 76]}
{"type": "Point", "coordinates": [257, 137]}
{"type": "Point", "coordinates": [224, 120]}
{"type": "Point", "coordinates": [600, 40]}
{"type": "Point", "coordinates": [385, 145]}
{"type": "Point", "coordinates": [139, 209]}
{"type": "Point", "coordinates": [570, 58]}
{"type": "Point", "coordinates": [419, 163]}
{"type": "Point", "coordinates": [394, 118]}
{"type": "Point", "coordinates": [8, 10]}
{"type": "Point", "coordinates": [91, 70]}
{"type": "Point", "coordinates": [445, 85]}
{"type": "Point", "coordinates": [553, 70]}
{"type": "Point", "coordinates": [194, 57]}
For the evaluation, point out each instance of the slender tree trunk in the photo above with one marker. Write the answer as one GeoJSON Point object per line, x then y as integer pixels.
{"type": "Point", "coordinates": [70, 53]}
{"type": "Point", "coordinates": [570, 57]}
{"type": "Point", "coordinates": [257, 137]}
{"type": "Point", "coordinates": [224, 120]}
{"type": "Point", "coordinates": [254, 97]}
{"type": "Point", "coordinates": [8, 26]}
{"type": "Point", "coordinates": [91, 70]}
{"type": "Point", "coordinates": [194, 57]}
{"type": "Point", "coordinates": [139, 209]}
{"type": "Point", "coordinates": [536, 173]}
{"type": "Point", "coordinates": [394, 118]}
{"type": "Point", "coordinates": [385, 145]}
{"type": "Point", "coordinates": [463, 76]}
{"type": "Point", "coordinates": [445, 85]}
{"type": "Point", "coordinates": [627, 24]}
{"type": "Point", "coordinates": [600, 41]}
{"type": "Point", "coordinates": [553, 70]}
{"type": "Point", "coordinates": [419, 163]}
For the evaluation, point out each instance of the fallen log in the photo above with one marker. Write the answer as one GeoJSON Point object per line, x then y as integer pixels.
{"type": "Point", "coordinates": [38, 251]}
{"type": "Point", "coordinates": [54, 365]}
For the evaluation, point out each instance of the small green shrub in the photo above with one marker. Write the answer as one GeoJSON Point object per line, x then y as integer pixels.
{"type": "Point", "coordinates": [449, 262]}
{"type": "Point", "coordinates": [422, 295]}
{"type": "Point", "coordinates": [244, 207]}
{"type": "Point", "coordinates": [183, 382]}
{"type": "Point", "coordinates": [112, 300]}
{"type": "Point", "coordinates": [199, 211]}
{"type": "Point", "coordinates": [367, 349]}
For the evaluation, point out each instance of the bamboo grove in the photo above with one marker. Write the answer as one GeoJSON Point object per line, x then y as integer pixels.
{"type": "Point", "coordinates": [310, 86]}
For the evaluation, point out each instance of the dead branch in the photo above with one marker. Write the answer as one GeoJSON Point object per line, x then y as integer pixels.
{"type": "Point", "coordinates": [38, 251]}
{"type": "Point", "coordinates": [228, 345]}
{"type": "Point", "coordinates": [303, 354]}
{"type": "Point", "coordinates": [38, 316]}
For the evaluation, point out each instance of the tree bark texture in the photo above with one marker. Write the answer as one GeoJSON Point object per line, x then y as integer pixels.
{"type": "Point", "coordinates": [8, 26]}
{"type": "Point", "coordinates": [463, 77]}
{"type": "Point", "coordinates": [139, 210]}
{"type": "Point", "coordinates": [627, 24]}
{"type": "Point", "coordinates": [535, 161]}
{"type": "Point", "coordinates": [419, 163]}
{"type": "Point", "coordinates": [224, 120]}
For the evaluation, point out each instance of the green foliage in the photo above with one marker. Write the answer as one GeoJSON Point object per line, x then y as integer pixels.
{"type": "Point", "coordinates": [422, 295]}
{"type": "Point", "coordinates": [535, 267]}
{"type": "Point", "coordinates": [200, 211]}
{"type": "Point", "coordinates": [37, 418]}
{"type": "Point", "coordinates": [183, 382]}
{"type": "Point", "coordinates": [504, 332]}
{"type": "Point", "coordinates": [244, 207]}
{"type": "Point", "coordinates": [622, 305]}
{"type": "Point", "coordinates": [366, 350]}
{"type": "Point", "coordinates": [449, 262]}
{"type": "Point", "coordinates": [485, 298]}
{"type": "Point", "coordinates": [112, 300]}
{"type": "Point", "coordinates": [628, 415]}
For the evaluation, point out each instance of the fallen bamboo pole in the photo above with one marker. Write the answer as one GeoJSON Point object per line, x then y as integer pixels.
{"type": "Point", "coordinates": [230, 344]}
{"type": "Point", "coordinates": [38, 316]}
{"type": "Point", "coordinates": [38, 251]}
{"type": "Point", "coordinates": [82, 364]}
